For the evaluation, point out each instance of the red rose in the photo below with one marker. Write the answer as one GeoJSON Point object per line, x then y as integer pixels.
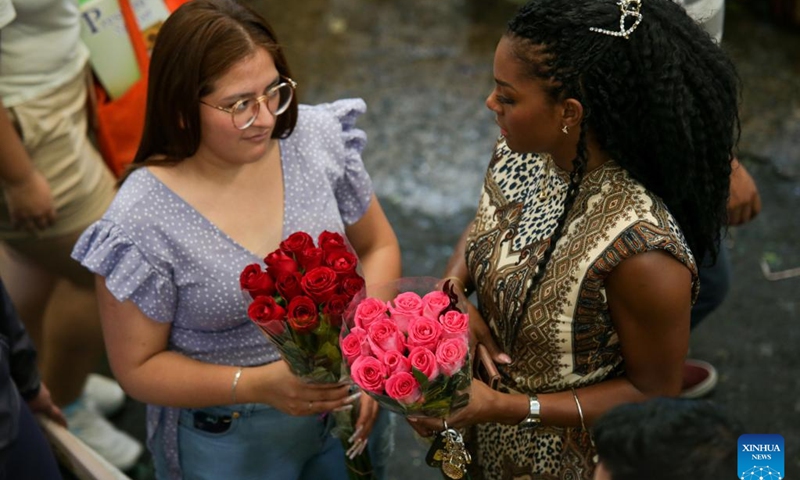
{"type": "Point", "coordinates": [302, 313]}
{"type": "Point", "coordinates": [329, 241]}
{"type": "Point", "coordinates": [319, 284]}
{"type": "Point", "coordinates": [334, 308]}
{"type": "Point", "coordinates": [267, 314]}
{"type": "Point", "coordinates": [352, 285]}
{"type": "Point", "coordinates": [296, 243]}
{"type": "Point", "coordinates": [288, 285]}
{"type": "Point", "coordinates": [278, 263]}
{"type": "Point", "coordinates": [310, 258]}
{"type": "Point", "coordinates": [255, 281]}
{"type": "Point", "coordinates": [342, 262]}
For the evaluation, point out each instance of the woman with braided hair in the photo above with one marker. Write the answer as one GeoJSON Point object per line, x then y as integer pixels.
{"type": "Point", "coordinates": [610, 177]}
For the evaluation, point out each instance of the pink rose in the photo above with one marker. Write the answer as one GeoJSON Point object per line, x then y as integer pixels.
{"type": "Point", "coordinates": [424, 360]}
{"type": "Point", "coordinates": [404, 308]}
{"type": "Point", "coordinates": [433, 304]}
{"type": "Point", "coordinates": [396, 362]}
{"type": "Point", "coordinates": [450, 355]}
{"type": "Point", "coordinates": [424, 332]}
{"type": "Point", "coordinates": [403, 387]}
{"type": "Point", "coordinates": [455, 324]}
{"type": "Point", "coordinates": [384, 336]}
{"type": "Point", "coordinates": [369, 310]}
{"type": "Point", "coordinates": [369, 374]}
{"type": "Point", "coordinates": [352, 345]}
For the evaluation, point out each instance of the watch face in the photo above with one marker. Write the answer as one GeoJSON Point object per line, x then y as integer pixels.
{"type": "Point", "coordinates": [535, 407]}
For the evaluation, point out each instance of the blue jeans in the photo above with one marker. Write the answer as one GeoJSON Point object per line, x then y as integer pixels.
{"type": "Point", "coordinates": [715, 282]}
{"type": "Point", "coordinates": [261, 442]}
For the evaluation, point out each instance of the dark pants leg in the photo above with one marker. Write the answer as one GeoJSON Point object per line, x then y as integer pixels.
{"type": "Point", "coordinates": [30, 455]}
{"type": "Point", "coordinates": [715, 282]}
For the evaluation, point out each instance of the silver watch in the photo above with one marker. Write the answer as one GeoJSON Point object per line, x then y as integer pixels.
{"type": "Point", "coordinates": [534, 418]}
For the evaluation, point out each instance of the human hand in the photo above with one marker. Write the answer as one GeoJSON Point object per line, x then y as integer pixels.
{"type": "Point", "coordinates": [744, 202]}
{"type": "Point", "coordinates": [480, 333]}
{"type": "Point", "coordinates": [43, 403]}
{"type": "Point", "coordinates": [480, 409]}
{"type": "Point", "coordinates": [368, 413]}
{"type": "Point", "coordinates": [30, 203]}
{"type": "Point", "coordinates": [289, 394]}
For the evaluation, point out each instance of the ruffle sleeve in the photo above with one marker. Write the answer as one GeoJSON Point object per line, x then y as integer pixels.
{"type": "Point", "coordinates": [106, 250]}
{"type": "Point", "coordinates": [354, 188]}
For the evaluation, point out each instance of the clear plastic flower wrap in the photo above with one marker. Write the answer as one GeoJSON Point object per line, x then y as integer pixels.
{"type": "Point", "coordinates": [298, 299]}
{"type": "Point", "coordinates": [406, 344]}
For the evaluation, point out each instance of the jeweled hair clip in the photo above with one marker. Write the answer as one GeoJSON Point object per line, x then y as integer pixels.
{"type": "Point", "coordinates": [627, 8]}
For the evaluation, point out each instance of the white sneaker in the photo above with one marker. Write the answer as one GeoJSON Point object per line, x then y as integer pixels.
{"type": "Point", "coordinates": [104, 393]}
{"type": "Point", "coordinates": [116, 446]}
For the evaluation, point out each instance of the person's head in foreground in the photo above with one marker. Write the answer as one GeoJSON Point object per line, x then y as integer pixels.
{"type": "Point", "coordinates": [666, 438]}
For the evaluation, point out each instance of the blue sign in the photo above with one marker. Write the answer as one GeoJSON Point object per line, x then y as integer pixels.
{"type": "Point", "coordinates": [761, 457]}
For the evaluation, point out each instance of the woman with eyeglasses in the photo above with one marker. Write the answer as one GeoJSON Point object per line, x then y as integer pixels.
{"type": "Point", "coordinates": [229, 165]}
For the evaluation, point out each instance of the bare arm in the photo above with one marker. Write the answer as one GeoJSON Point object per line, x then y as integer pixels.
{"type": "Point", "coordinates": [376, 245]}
{"type": "Point", "coordinates": [649, 296]}
{"type": "Point", "coordinates": [744, 202]}
{"type": "Point", "coordinates": [138, 355]}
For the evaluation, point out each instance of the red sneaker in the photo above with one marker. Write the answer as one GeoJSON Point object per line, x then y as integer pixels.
{"type": "Point", "coordinates": [699, 378]}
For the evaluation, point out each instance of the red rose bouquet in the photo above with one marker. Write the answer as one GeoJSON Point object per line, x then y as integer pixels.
{"type": "Point", "coordinates": [411, 353]}
{"type": "Point", "coordinates": [298, 301]}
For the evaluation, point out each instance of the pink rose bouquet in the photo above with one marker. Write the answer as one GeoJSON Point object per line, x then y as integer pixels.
{"type": "Point", "coordinates": [298, 299]}
{"type": "Point", "coordinates": [410, 353]}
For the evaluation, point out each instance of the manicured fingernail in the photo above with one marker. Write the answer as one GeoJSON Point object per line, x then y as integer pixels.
{"type": "Point", "coordinates": [355, 434]}
{"type": "Point", "coordinates": [412, 419]}
{"type": "Point", "coordinates": [504, 358]}
{"type": "Point", "coordinates": [354, 448]}
{"type": "Point", "coordinates": [361, 448]}
{"type": "Point", "coordinates": [343, 408]}
{"type": "Point", "coordinates": [352, 398]}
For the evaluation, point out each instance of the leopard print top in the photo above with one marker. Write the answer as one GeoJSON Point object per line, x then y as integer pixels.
{"type": "Point", "coordinates": [567, 338]}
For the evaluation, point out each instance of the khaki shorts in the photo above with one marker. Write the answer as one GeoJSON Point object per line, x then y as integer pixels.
{"type": "Point", "coordinates": [53, 129]}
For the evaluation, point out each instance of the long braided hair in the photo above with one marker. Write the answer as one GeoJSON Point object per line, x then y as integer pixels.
{"type": "Point", "coordinates": [662, 103]}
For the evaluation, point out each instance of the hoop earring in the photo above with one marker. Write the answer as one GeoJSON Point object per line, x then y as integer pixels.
{"type": "Point", "coordinates": [565, 130]}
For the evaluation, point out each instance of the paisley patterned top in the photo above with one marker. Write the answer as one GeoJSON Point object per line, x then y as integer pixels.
{"type": "Point", "coordinates": [566, 336]}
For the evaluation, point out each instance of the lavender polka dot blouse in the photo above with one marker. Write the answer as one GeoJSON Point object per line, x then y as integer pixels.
{"type": "Point", "coordinates": [177, 267]}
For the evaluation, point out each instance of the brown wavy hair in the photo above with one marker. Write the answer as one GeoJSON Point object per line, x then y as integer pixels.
{"type": "Point", "coordinates": [196, 46]}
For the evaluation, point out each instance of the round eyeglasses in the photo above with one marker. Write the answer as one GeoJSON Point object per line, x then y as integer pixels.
{"type": "Point", "coordinates": [245, 111]}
